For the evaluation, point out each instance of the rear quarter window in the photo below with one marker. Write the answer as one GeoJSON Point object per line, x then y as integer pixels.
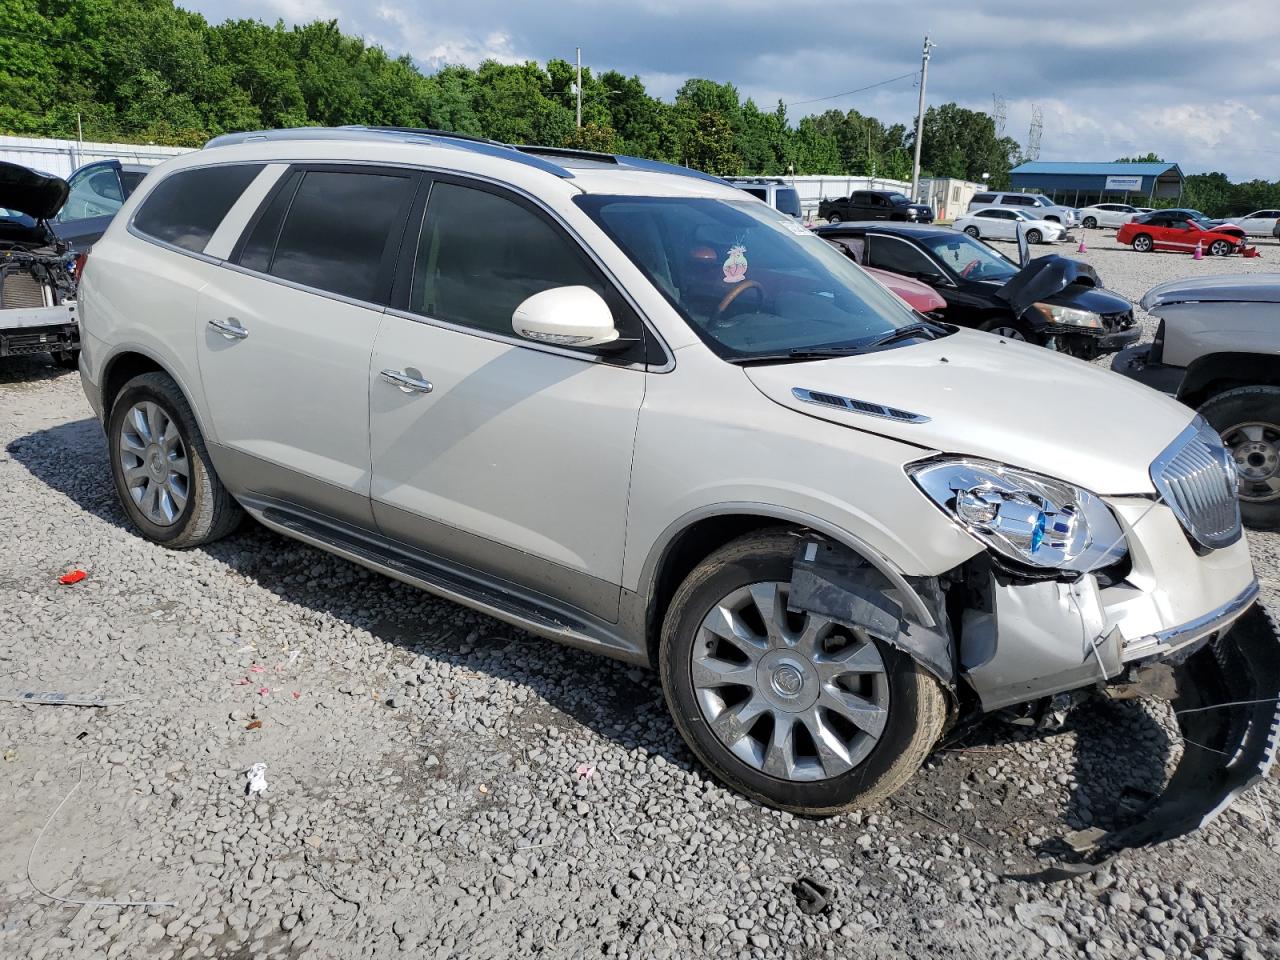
{"type": "Point", "coordinates": [983, 198]}
{"type": "Point", "coordinates": [186, 207]}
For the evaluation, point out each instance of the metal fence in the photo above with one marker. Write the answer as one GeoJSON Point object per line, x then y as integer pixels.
{"type": "Point", "coordinates": [60, 157]}
{"type": "Point", "coordinates": [816, 187]}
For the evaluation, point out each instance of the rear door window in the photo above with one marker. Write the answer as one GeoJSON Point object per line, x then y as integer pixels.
{"type": "Point", "coordinates": [186, 207]}
{"type": "Point", "coordinates": [340, 234]}
{"type": "Point", "coordinates": [983, 198]}
{"type": "Point", "coordinates": [788, 201]}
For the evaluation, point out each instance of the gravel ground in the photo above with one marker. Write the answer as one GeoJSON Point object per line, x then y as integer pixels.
{"type": "Point", "coordinates": [441, 785]}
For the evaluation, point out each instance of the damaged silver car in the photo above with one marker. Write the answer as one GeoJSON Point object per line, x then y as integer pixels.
{"type": "Point", "coordinates": [654, 418]}
{"type": "Point", "coordinates": [37, 279]}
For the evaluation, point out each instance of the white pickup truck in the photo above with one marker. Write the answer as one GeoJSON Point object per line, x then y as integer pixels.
{"type": "Point", "coordinates": [37, 275]}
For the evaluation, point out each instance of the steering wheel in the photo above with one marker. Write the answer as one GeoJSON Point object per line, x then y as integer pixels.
{"type": "Point", "coordinates": [968, 267]}
{"type": "Point", "coordinates": [718, 318]}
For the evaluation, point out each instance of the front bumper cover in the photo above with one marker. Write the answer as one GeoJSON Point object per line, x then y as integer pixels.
{"type": "Point", "coordinates": [1227, 704]}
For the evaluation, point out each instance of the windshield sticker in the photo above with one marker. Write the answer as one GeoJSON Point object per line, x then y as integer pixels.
{"type": "Point", "coordinates": [735, 265]}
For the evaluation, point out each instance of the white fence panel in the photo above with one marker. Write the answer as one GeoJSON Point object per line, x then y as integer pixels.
{"type": "Point", "coordinates": [817, 187]}
{"type": "Point", "coordinates": [60, 157]}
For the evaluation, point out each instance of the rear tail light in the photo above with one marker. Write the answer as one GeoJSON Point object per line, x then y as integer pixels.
{"type": "Point", "coordinates": [80, 260]}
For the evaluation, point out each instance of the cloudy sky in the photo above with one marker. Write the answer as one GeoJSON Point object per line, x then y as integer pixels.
{"type": "Point", "coordinates": [1196, 81]}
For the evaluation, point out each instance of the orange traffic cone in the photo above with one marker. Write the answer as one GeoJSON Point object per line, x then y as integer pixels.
{"type": "Point", "coordinates": [1199, 254]}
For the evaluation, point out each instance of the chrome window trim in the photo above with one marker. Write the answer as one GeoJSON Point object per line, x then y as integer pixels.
{"type": "Point", "coordinates": [666, 366]}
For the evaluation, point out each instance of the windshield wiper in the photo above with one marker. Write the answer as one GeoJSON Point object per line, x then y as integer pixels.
{"type": "Point", "coordinates": [905, 333]}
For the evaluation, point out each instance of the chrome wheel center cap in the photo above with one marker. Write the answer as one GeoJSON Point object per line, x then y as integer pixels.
{"type": "Point", "coordinates": [787, 680]}
{"type": "Point", "coordinates": [1256, 460]}
{"type": "Point", "coordinates": [156, 464]}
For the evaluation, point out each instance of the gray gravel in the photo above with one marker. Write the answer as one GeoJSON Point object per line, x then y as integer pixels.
{"type": "Point", "coordinates": [422, 761]}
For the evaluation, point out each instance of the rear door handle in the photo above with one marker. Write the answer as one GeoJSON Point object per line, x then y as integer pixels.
{"type": "Point", "coordinates": [229, 328]}
{"type": "Point", "coordinates": [410, 381]}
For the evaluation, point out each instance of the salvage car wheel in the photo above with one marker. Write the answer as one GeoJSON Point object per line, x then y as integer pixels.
{"type": "Point", "coordinates": [1034, 236]}
{"type": "Point", "coordinates": [161, 469]}
{"type": "Point", "coordinates": [1010, 329]}
{"type": "Point", "coordinates": [1142, 243]}
{"type": "Point", "coordinates": [791, 709]}
{"type": "Point", "coordinates": [1249, 420]}
{"type": "Point", "coordinates": [1091, 223]}
{"type": "Point", "coordinates": [1219, 248]}
{"type": "Point", "coordinates": [834, 218]}
{"type": "Point", "coordinates": [972, 231]}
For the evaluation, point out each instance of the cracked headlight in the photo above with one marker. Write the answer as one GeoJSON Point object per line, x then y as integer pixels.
{"type": "Point", "coordinates": [1025, 517]}
{"type": "Point", "coordinates": [1068, 316]}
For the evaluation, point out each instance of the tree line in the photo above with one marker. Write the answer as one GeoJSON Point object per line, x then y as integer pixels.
{"type": "Point", "coordinates": [148, 71]}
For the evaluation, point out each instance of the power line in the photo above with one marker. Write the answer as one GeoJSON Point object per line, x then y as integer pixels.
{"type": "Point", "coordinates": [847, 93]}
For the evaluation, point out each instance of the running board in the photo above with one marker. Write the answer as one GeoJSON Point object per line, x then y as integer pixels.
{"type": "Point", "coordinates": [500, 599]}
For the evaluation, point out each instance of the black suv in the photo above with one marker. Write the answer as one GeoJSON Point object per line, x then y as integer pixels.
{"type": "Point", "coordinates": [874, 205]}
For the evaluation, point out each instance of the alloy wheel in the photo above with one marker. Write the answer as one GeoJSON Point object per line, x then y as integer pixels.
{"type": "Point", "coordinates": [1255, 447]}
{"type": "Point", "coordinates": [153, 462]}
{"type": "Point", "coordinates": [793, 695]}
{"type": "Point", "coordinates": [1009, 333]}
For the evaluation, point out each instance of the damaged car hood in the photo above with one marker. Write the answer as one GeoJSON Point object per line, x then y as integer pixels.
{"type": "Point", "coordinates": [973, 393]}
{"type": "Point", "coordinates": [1043, 278]}
{"type": "Point", "coordinates": [38, 195]}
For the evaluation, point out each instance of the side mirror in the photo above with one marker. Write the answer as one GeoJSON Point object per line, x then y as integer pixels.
{"type": "Point", "coordinates": [565, 317]}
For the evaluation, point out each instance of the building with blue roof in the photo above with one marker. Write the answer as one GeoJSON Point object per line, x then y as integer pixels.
{"type": "Point", "coordinates": [1079, 184]}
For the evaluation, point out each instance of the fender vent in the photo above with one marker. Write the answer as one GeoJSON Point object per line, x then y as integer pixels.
{"type": "Point", "coordinates": [857, 406]}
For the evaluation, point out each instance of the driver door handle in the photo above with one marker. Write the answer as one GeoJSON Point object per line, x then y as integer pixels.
{"type": "Point", "coordinates": [410, 381]}
{"type": "Point", "coordinates": [229, 328]}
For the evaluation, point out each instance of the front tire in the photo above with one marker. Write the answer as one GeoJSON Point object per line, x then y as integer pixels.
{"type": "Point", "coordinates": [1010, 329]}
{"type": "Point", "coordinates": [1142, 243]}
{"type": "Point", "coordinates": [833, 218]}
{"type": "Point", "coordinates": [1219, 248]}
{"type": "Point", "coordinates": [1248, 418]}
{"type": "Point", "coordinates": [1034, 236]}
{"type": "Point", "coordinates": [792, 710]}
{"type": "Point", "coordinates": [161, 468]}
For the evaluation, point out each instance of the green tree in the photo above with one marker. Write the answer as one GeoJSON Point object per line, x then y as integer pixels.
{"type": "Point", "coordinates": [958, 142]}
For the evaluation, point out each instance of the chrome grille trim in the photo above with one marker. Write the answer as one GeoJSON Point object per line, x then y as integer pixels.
{"type": "Point", "coordinates": [1197, 478]}
{"type": "Point", "coordinates": [836, 402]}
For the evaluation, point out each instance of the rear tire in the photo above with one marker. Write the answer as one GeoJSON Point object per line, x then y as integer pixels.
{"type": "Point", "coordinates": [1142, 243]}
{"type": "Point", "coordinates": [1090, 223]}
{"type": "Point", "coordinates": [902, 706]}
{"type": "Point", "coordinates": [833, 218]}
{"type": "Point", "coordinates": [972, 231]}
{"type": "Point", "coordinates": [1248, 418]}
{"type": "Point", "coordinates": [161, 468]}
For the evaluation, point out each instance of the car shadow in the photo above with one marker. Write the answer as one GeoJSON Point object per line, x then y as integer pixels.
{"type": "Point", "coordinates": [36, 368]}
{"type": "Point", "coordinates": [617, 701]}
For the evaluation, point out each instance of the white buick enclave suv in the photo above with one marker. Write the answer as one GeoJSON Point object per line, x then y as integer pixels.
{"type": "Point", "coordinates": [624, 406]}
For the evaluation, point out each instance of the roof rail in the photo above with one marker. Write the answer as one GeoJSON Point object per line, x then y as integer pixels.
{"type": "Point", "coordinates": [490, 148]}
{"type": "Point", "coordinates": [533, 156]}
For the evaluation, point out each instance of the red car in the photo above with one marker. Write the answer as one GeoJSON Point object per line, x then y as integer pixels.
{"type": "Point", "coordinates": [1181, 230]}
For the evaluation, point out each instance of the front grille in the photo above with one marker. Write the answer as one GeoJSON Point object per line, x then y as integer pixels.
{"type": "Point", "coordinates": [1197, 478]}
{"type": "Point", "coordinates": [20, 289]}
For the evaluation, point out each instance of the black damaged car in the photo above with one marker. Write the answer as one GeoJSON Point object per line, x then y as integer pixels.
{"type": "Point", "coordinates": [1052, 301]}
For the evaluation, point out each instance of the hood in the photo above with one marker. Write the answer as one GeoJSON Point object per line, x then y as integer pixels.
{"type": "Point", "coordinates": [919, 296]}
{"type": "Point", "coordinates": [1044, 277]}
{"type": "Point", "coordinates": [1009, 402]}
{"type": "Point", "coordinates": [1238, 288]}
{"type": "Point", "coordinates": [28, 191]}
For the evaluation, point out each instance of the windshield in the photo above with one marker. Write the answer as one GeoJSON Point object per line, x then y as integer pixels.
{"type": "Point", "coordinates": [968, 257]}
{"type": "Point", "coordinates": [898, 200]}
{"type": "Point", "coordinates": [750, 282]}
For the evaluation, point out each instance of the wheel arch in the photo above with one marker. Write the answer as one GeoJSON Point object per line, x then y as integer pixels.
{"type": "Point", "coordinates": [693, 537]}
{"type": "Point", "coordinates": [131, 361]}
{"type": "Point", "coordinates": [1215, 373]}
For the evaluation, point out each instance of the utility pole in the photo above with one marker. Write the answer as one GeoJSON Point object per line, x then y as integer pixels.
{"type": "Point", "coordinates": [579, 49]}
{"type": "Point", "coordinates": [924, 77]}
